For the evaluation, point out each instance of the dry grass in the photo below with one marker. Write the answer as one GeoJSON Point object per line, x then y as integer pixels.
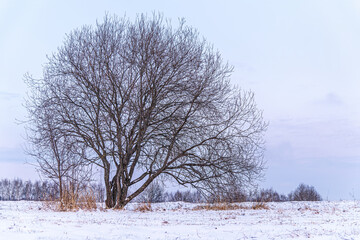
{"type": "Point", "coordinates": [260, 206]}
{"type": "Point", "coordinates": [307, 208]}
{"type": "Point", "coordinates": [218, 207]}
{"type": "Point", "coordinates": [143, 207]}
{"type": "Point", "coordinates": [229, 206]}
{"type": "Point", "coordinates": [73, 200]}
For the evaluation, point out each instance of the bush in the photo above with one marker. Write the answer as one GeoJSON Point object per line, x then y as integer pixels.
{"type": "Point", "coordinates": [73, 199]}
{"type": "Point", "coordinates": [269, 195]}
{"type": "Point", "coordinates": [143, 207]}
{"type": "Point", "coordinates": [154, 193]}
{"type": "Point", "coordinates": [184, 196]}
{"type": "Point", "coordinates": [304, 193]}
{"type": "Point", "coordinates": [260, 206]}
{"type": "Point", "coordinates": [230, 193]}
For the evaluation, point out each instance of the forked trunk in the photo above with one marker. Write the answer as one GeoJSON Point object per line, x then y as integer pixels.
{"type": "Point", "coordinates": [121, 195]}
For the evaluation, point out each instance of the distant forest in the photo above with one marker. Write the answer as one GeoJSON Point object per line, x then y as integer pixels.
{"type": "Point", "coordinates": [17, 189]}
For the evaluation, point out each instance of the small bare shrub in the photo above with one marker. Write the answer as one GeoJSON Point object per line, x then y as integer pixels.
{"type": "Point", "coordinates": [259, 206]}
{"type": "Point", "coordinates": [184, 196]}
{"type": "Point", "coordinates": [231, 193]}
{"type": "Point", "coordinates": [307, 208]}
{"type": "Point", "coordinates": [72, 199]}
{"type": "Point", "coordinates": [268, 195]}
{"type": "Point", "coordinates": [154, 193]}
{"type": "Point", "coordinates": [87, 200]}
{"type": "Point", "coordinates": [143, 207]}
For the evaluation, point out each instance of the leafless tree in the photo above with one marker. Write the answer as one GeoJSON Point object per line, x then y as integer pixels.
{"type": "Point", "coordinates": [269, 195]}
{"type": "Point", "coordinates": [145, 100]}
{"type": "Point", "coordinates": [184, 196]}
{"type": "Point", "coordinates": [305, 193]}
{"type": "Point", "coordinates": [59, 157]}
{"type": "Point", "coordinates": [231, 192]}
{"type": "Point", "coordinates": [154, 193]}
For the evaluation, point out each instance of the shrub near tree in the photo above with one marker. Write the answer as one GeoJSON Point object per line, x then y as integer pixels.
{"type": "Point", "coordinates": [142, 100]}
{"type": "Point", "coordinates": [154, 193]}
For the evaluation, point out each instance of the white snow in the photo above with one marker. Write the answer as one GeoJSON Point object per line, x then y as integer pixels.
{"type": "Point", "coordinates": [289, 220]}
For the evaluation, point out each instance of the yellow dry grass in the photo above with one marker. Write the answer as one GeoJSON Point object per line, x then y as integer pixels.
{"type": "Point", "coordinates": [222, 206]}
{"type": "Point", "coordinates": [72, 200]}
{"type": "Point", "coordinates": [143, 207]}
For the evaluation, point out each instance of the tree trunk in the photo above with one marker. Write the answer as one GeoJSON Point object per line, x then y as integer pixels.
{"type": "Point", "coordinates": [109, 202]}
{"type": "Point", "coordinates": [121, 196]}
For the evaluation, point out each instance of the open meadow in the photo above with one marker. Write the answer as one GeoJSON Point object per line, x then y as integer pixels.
{"type": "Point", "coordinates": [179, 220]}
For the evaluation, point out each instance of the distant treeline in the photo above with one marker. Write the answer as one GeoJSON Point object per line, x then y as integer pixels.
{"type": "Point", "coordinates": [156, 193]}
{"type": "Point", "coordinates": [17, 189]}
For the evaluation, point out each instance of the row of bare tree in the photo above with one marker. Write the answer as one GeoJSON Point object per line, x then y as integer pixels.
{"type": "Point", "coordinates": [17, 189]}
{"type": "Point", "coordinates": [156, 193]}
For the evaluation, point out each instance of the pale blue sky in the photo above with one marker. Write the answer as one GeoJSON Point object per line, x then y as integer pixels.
{"type": "Point", "coordinates": [299, 57]}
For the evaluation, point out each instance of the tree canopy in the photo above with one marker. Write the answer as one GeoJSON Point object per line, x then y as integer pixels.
{"type": "Point", "coordinates": [143, 100]}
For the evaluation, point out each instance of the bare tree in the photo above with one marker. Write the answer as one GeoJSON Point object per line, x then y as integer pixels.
{"type": "Point", "coordinates": [185, 196]}
{"type": "Point", "coordinates": [146, 100]}
{"type": "Point", "coordinates": [59, 157]}
{"type": "Point", "coordinates": [304, 193]}
{"type": "Point", "coordinates": [269, 195]}
{"type": "Point", "coordinates": [231, 192]}
{"type": "Point", "coordinates": [154, 193]}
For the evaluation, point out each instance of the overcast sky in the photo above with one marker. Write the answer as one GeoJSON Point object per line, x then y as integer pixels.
{"type": "Point", "coordinates": [301, 58]}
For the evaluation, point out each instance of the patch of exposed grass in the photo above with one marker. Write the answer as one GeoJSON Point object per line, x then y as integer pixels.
{"type": "Point", "coordinates": [73, 201]}
{"type": "Point", "coordinates": [230, 206]}
{"type": "Point", "coordinates": [260, 206]}
{"type": "Point", "coordinates": [143, 207]}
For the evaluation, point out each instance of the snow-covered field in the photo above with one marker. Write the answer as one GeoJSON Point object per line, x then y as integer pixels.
{"type": "Point", "coordinates": [291, 220]}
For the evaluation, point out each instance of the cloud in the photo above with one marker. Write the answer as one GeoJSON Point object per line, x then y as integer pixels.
{"type": "Point", "coordinates": [314, 138]}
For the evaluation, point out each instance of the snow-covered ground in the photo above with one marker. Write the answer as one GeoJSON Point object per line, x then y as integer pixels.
{"type": "Point", "coordinates": [290, 220]}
